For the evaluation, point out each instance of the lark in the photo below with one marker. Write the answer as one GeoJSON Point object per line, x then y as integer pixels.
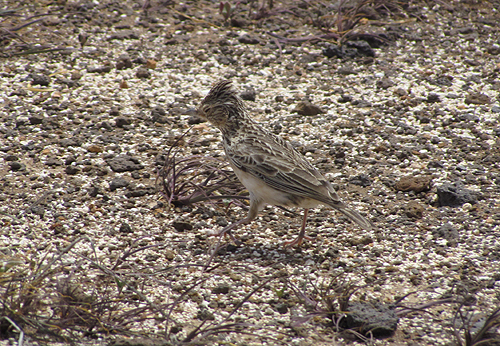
{"type": "Point", "coordinates": [271, 169]}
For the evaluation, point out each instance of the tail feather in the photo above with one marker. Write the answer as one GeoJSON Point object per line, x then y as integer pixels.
{"type": "Point", "coordinates": [353, 215]}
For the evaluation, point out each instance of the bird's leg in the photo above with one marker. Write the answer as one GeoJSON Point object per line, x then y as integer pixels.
{"type": "Point", "coordinates": [252, 214]}
{"type": "Point", "coordinates": [302, 234]}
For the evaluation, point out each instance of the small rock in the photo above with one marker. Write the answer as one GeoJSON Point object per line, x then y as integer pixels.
{"type": "Point", "coordinates": [307, 108]}
{"type": "Point", "coordinates": [195, 119]}
{"type": "Point", "coordinates": [39, 79]}
{"type": "Point", "coordinates": [11, 158]}
{"type": "Point", "coordinates": [125, 228]}
{"type": "Point", "coordinates": [221, 289]}
{"type": "Point", "coordinates": [16, 166]}
{"type": "Point", "coordinates": [361, 180]}
{"type": "Point", "coordinates": [76, 75]}
{"type": "Point", "coordinates": [346, 70]}
{"type": "Point", "coordinates": [432, 98]}
{"type": "Point", "coordinates": [114, 111]}
{"type": "Point", "coordinates": [447, 232]}
{"type": "Point", "coordinates": [411, 183]}
{"type": "Point", "coordinates": [93, 191]}
{"type": "Point", "coordinates": [117, 183]}
{"type": "Point", "coordinates": [181, 226]}
{"type": "Point", "coordinates": [124, 163]}
{"type": "Point", "coordinates": [374, 318]}
{"type": "Point", "coordinates": [204, 315]}
{"type": "Point", "coordinates": [94, 148]}
{"type": "Point", "coordinates": [143, 73]}
{"type": "Point", "coordinates": [36, 120]}
{"type": "Point", "coordinates": [281, 308]}
{"type": "Point", "coordinates": [169, 254]}
{"type": "Point", "coordinates": [344, 98]}
{"type": "Point", "coordinates": [151, 64]}
{"type": "Point", "coordinates": [124, 84]}
{"type": "Point", "coordinates": [247, 39]}
{"type": "Point", "coordinates": [414, 210]}
{"type": "Point", "coordinates": [123, 35]}
{"type": "Point", "coordinates": [477, 99]}
{"type": "Point", "coordinates": [122, 121]}
{"type": "Point", "coordinates": [454, 194]}
{"type": "Point", "coordinates": [362, 48]}
{"type": "Point", "coordinates": [100, 69]}
{"type": "Point", "coordinates": [52, 161]}
{"type": "Point", "coordinates": [158, 115]}
{"type": "Point", "coordinates": [71, 170]}
{"type": "Point", "coordinates": [249, 94]}
{"type": "Point", "coordinates": [123, 62]}
{"type": "Point", "coordinates": [385, 83]}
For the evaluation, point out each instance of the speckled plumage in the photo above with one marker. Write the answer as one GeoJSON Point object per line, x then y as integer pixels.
{"type": "Point", "coordinates": [268, 166]}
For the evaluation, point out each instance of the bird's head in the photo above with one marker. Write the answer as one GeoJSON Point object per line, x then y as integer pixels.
{"type": "Point", "coordinates": [222, 106]}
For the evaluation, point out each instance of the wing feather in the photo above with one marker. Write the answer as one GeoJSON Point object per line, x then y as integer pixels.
{"type": "Point", "coordinates": [281, 166]}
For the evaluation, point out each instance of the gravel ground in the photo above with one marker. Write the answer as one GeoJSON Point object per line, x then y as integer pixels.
{"type": "Point", "coordinates": [410, 137]}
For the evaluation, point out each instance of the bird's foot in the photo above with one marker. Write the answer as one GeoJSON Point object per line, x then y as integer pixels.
{"type": "Point", "coordinates": [297, 241]}
{"type": "Point", "coordinates": [225, 232]}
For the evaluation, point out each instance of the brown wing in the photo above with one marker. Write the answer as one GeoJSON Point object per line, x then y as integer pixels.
{"type": "Point", "coordinates": [278, 164]}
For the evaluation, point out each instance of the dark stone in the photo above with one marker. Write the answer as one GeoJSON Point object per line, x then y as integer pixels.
{"type": "Point", "coordinates": [221, 289]}
{"type": "Point", "coordinates": [158, 115]}
{"type": "Point", "coordinates": [362, 48]}
{"type": "Point", "coordinates": [307, 108]}
{"type": "Point", "coordinates": [124, 35]}
{"type": "Point", "coordinates": [122, 121]}
{"type": "Point", "coordinates": [435, 164]}
{"type": "Point", "coordinates": [332, 51]}
{"type": "Point", "coordinates": [454, 195]}
{"type": "Point", "coordinates": [195, 119]}
{"type": "Point", "coordinates": [71, 142]}
{"type": "Point", "coordinates": [36, 120]}
{"type": "Point", "coordinates": [38, 79]}
{"type": "Point", "coordinates": [141, 192]}
{"type": "Point", "coordinates": [125, 228]}
{"type": "Point", "coordinates": [247, 39]}
{"type": "Point", "coordinates": [16, 166]}
{"type": "Point", "coordinates": [124, 163]}
{"type": "Point", "coordinates": [385, 83]}
{"type": "Point", "coordinates": [442, 80]}
{"type": "Point", "coordinates": [351, 49]}
{"type": "Point", "coordinates": [123, 62]}
{"type": "Point", "coordinates": [477, 99]}
{"type": "Point", "coordinates": [448, 232]}
{"type": "Point", "coordinates": [204, 315]}
{"type": "Point", "coordinates": [117, 183]}
{"type": "Point", "coordinates": [37, 210]}
{"type": "Point", "coordinates": [181, 226]}
{"type": "Point", "coordinates": [94, 191]}
{"type": "Point", "coordinates": [346, 70]}
{"type": "Point", "coordinates": [376, 318]}
{"type": "Point", "coordinates": [432, 98]}
{"type": "Point", "coordinates": [143, 73]}
{"type": "Point", "coordinates": [282, 308]}
{"type": "Point", "coordinates": [249, 94]}
{"type": "Point", "coordinates": [143, 341]}
{"type": "Point", "coordinates": [361, 180]}
{"type": "Point", "coordinates": [11, 158]}
{"type": "Point", "coordinates": [344, 98]}
{"type": "Point", "coordinates": [71, 170]}
{"type": "Point", "coordinates": [51, 162]}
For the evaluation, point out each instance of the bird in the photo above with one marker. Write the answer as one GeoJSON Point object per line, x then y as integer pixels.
{"type": "Point", "coordinates": [270, 168]}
